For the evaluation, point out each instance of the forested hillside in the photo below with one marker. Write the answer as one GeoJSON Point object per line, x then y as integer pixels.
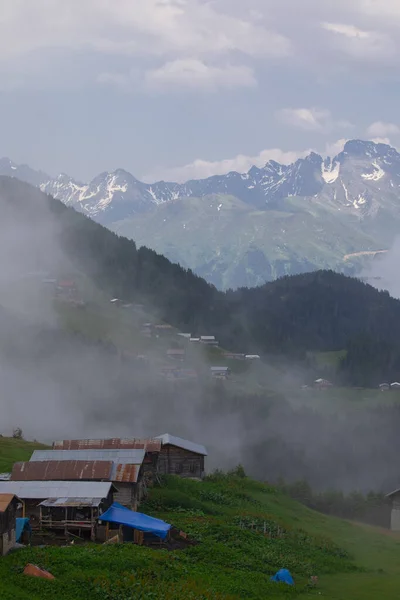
{"type": "Point", "coordinates": [316, 311]}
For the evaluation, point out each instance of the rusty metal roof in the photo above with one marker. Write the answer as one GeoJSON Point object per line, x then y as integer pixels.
{"type": "Point", "coordinates": [63, 470]}
{"type": "Point", "coordinates": [126, 473]}
{"type": "Point", "coordinates": [5, 500]}
{"type": "Point", "coordinates": [148, 444]}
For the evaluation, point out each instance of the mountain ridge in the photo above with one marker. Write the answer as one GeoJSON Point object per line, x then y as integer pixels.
{"type": "Point", "coordinates": [333, 206]}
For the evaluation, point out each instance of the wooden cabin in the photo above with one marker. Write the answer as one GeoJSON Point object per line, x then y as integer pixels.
{"type": "Point", "coordinates": [76, 514]}
{"type": "Point", "coordinates": [8, 515]}
{"type": "Point", "coordinates": [394, 497]}
{"type": "Point", "coordinates": [181, 457]}
{"type": "Point", "coordinates": [220, 372]}
{"type": "Point", "coordinates": [74, 493]}
{"type": "Point", "coordinates": [131, 470]}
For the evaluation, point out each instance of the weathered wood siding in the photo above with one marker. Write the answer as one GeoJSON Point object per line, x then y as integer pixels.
{"type": "Point", "coordinates": [7, 528]}
{"type": "Point", "coordinates": [177, 461]}
{"type": "Point", "coordinates": [126, 494]}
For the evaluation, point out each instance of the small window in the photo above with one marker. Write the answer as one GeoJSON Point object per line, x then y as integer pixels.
{"type": "Point", "coordinates": [178, 468]}
{"type": "Point", "coordinates": [193, 467]}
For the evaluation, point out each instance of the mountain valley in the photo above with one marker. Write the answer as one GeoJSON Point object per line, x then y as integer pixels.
{"type": "Point", "coordinates": [239, 230]}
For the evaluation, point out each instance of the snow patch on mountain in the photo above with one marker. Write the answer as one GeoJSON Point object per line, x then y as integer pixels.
{"type": "Point", "coordinates": [330, 172]}
{"type": "Point", "coordinates": [376, 174]}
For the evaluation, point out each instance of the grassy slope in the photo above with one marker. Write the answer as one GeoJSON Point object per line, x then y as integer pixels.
{"type": "Point", "coordinates": [12, 450]}
{"type": "Point", "coordinates": [232, 561]}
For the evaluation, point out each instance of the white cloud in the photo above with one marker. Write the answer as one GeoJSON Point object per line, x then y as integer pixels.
{"type": "Point", "coordinates": [380, 129]}
{"type": "Point", "coordinates": [133, 27]}
{"type": "Point", "coordinates": [200, 169]}
{"type": "Point", "coordinates": [382, 141]}
{"type": "Point", "coordinates": [361, 44]}
{"type": "Point", "coordinates": [347, 30]}
{"type": "Point", "coordinates": [311, 119]}
{"type": "Point", "coordinates": [194, 74]}
{"type": "Point", "coordinates": [334, 148]}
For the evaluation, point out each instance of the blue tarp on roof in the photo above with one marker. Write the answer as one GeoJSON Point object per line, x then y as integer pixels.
{"type": "Point", "coordinates": [21, 525]}
{"type": "Point", "coordinates": [123, 516]}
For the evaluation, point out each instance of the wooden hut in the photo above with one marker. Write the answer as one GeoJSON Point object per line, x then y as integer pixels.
{"type": "Point", "coordinates": [181, 457]}
{"type": "Point", "coordinates": [394, 497]}
{"type": "Point", "coordinates": [131, 471]}
{"type": "Point", "coordinates": [8, 514]}
{"type": "Point", "coordinates": [80, 493]}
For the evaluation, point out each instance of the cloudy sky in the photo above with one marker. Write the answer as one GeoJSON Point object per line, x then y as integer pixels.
{"type": "Point", "coordinates": [188, 88]}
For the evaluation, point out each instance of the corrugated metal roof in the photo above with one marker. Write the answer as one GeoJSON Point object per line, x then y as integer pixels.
{"type": "Point", "coordinates": [5, 500]}
{"type": "Point", "coordinates": [150, 445]}
{"type": "Point", "coordinates": [65, 470]}
{"type": "Point", "coordinates": [219, 369]}
{"type": "Point", "coordinates": [56, 489]}
{"type": "Point", "coordinates": [76, 502]}
{"type": "Point", "coordinates": [124, 457]}
{"type": "Point", "coordinates": [126, 473]}
{"type": "Point", "coordinates": [166, 438]}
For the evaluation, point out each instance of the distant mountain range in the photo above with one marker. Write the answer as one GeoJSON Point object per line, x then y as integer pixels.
{"type": "Point", "coordinates": [245, 229]}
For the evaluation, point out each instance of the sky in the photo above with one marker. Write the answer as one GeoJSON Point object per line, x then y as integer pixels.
{"type": "Point", "coordinates": [180, 89]}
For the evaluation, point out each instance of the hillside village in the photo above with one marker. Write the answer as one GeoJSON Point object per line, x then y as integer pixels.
{"type": "Point", "coordinates": [68, 489]}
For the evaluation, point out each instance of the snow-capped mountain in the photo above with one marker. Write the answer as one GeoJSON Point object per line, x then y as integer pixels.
{"type": "Point", "coordinates": [269, 221]}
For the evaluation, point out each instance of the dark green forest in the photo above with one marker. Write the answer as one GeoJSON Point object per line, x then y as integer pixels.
{"type": "Point", "coordinates": [317, 311]}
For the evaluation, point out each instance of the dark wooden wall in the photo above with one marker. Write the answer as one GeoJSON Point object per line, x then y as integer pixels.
{"type": "Point", "coordinates": [177, 461]}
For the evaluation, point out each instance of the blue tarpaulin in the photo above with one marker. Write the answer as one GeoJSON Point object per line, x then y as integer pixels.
{"type": "Point", "coordinates": [123, 516]}
{"type": "Point", "coordinates": [284, 576]}
{"type": "Point", "coordinates": [21, 526]}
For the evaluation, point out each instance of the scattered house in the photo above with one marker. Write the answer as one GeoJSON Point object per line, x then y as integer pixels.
{"type": "Point", "coordinates": [220, 372]}
{"type": "Point", "coordinates": [181, 457]}
{"type": "Point", "coordinates": [234, 356]}
{"type": "Point", "coordinates": [8, 513]}
{"type": "Point", "coordinates": [75, 493]}
{"type": "Point", "coordinates": [384, 387]}
{"type": "Point", "coordinates": [176, 353]}
{"type": "Point", "coordinates": [127, 469]}
{"type": "Point", "coordinates": [147, 330]}
{"type": "Point", "coordinates": [395, 512]}
{"type": "Point", "coordinates": [168, 371]}
{"type": "Point", "coordinates": [395, 385]}
{"type": "Point", "coordinates": [186, 336]}
{"type": "Point", "coordinates": [115, 301]}
{"type": "Point", "coordinates": [322, 384]}
{"type": "Point", "coordinates": [163, 330]}
{"type": "Point", "coordinates": [194, 340]}
{"type": "Point", "coordinates": [209, 340]}
{"type": "Point", "coordinates": [252, 357]}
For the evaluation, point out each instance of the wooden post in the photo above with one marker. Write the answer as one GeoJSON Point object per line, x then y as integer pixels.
{"type": "Point", "coordinates": [23, 509]}
{"type": "Point", "coordinates": [92, 534]}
